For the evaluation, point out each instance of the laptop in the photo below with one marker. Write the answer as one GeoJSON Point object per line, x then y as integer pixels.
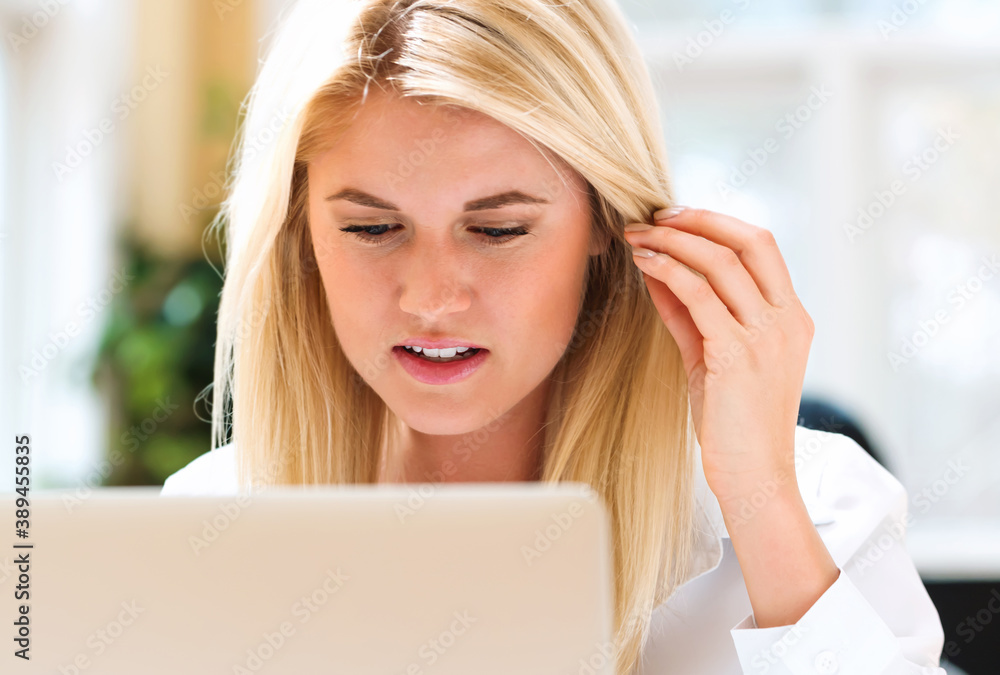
{"type": "Point", "coordinates": [394, 579]}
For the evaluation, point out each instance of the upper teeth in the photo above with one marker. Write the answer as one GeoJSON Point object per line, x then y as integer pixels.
{"type": "Point", "coordinates": [446, 353]}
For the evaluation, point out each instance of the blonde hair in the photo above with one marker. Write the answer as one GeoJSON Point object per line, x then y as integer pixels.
{"type": "Point", "coordinates": [570, 78]}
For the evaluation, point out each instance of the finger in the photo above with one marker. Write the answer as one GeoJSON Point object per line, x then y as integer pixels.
{"type": "Point", "coordinates": [754, 245]}
{"type": "Point", "coordinates": [678, 321]}
{"type": "Point", "coordinates": [719, 264]}
{"type": "Point", "coordinates": [712, 318]}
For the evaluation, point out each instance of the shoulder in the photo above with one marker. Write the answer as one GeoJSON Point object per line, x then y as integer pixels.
{"type": "Point", "coordinates": [845, 489]}
{"type": "Point", "coordinates": [213, 473]}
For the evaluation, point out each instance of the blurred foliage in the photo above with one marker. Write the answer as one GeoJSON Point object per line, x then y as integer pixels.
{"type": "Point", "coordinates": [155, 357]}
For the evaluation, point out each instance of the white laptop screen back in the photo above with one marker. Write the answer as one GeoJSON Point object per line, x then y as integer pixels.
{"type": "Point", "coordinates": [389, 579]}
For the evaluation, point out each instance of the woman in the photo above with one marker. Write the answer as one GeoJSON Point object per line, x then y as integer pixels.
{"type": "Point", "coordinates": [430, 278]}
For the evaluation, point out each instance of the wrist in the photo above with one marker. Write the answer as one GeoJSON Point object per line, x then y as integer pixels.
{"type": "Point", "coordinates": [754, 490]}
{"type": "Point", "coordinates": [774, 543]}
{"type": "Point", "coordinates": [773, 499]}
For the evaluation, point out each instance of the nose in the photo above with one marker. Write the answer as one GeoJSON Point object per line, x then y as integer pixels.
{"type": "Point", "coordinates": [433, 284]}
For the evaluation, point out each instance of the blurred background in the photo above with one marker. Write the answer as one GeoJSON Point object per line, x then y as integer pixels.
{"type": "Point", "coordinates": [865, 135]}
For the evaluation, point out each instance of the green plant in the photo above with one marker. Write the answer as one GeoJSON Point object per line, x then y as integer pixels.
{"type": "Point", "coordinates": [156, 356]}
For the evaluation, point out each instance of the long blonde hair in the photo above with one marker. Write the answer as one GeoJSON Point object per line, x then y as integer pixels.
{"type": "Point", "coordinates": [570, 78]}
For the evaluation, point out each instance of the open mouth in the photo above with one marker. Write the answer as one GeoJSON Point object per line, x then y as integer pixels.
{"type": "Point", "coordinates": [467, 354]}
{"type": "Point", "coordinates": [448, 369]}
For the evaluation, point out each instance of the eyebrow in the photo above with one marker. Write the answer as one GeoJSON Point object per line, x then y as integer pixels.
{"type": "Point", "coordinates": [484, 203]}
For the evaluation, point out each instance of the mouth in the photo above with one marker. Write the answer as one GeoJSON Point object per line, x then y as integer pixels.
{"type": "Point", "coordinates": [449, 355]}
{"type": "Point", "coordinates": [449, 369]}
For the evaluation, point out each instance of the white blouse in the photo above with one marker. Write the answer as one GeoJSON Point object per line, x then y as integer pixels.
{"type": "Point", "coordinates": [876, 618]}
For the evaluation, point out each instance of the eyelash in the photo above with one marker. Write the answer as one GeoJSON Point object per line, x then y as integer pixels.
{"type": "Point", "coordinates": [506, 234]}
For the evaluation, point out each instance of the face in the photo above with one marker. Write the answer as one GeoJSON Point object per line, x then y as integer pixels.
{"type": "Point", "coordinates": [433, 223]}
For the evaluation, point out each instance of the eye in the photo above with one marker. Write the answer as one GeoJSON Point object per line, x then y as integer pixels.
{"type": "Point", "coordinates": [497, 236]}
{"type": "Point", "coordinates": [369, 233]}
{"type": "Point", "coordinates": [494, 236]}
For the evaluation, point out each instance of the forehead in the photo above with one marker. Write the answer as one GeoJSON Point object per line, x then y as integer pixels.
{"type": "Point", "coordinates": [406, 135]}
{"type": "Point", "coordinates": [407, 116]}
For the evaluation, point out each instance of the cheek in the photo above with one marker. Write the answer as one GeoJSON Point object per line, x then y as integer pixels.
{"type": "Point", "coordinates": [547, 302]}
{"type": "Point", "coordinates": [345, 277]}
{"type": "Point", "coordinates": [354, 298]}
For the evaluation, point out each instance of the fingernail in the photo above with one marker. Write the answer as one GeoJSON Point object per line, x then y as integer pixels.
{"type": "Point", "coordinates": [664, 214]}
{"type": "Point", "coordinates": [643, 252]}
{"type": "Point", "coordinates": [638, 227]}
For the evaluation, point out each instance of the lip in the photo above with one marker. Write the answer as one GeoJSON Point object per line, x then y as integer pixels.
{"type": "Point", "coordinates": [439, 373]}
{"type": "Point", "coordinates": [431, 343]}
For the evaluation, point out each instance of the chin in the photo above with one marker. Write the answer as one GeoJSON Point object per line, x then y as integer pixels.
{"type": "Point", "coordinates": [442, 422]}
